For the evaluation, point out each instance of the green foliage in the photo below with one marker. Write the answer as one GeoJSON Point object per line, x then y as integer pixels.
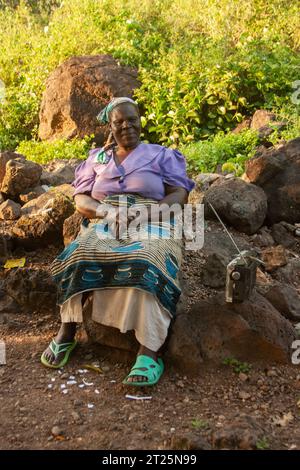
{"type": "Point", "coordinates": [44, 152]}
{"type": "Point", "coordinates": [229, 150]}
{"type": "Point", "coordinates": [200, 424]}
{"type": "Point", "coordinates": [203, 65]}
{"type": "Point", "coordinates": [291, 115]}
{"type": "Point", "coordinates": [211, 89]}
{"type": "Point", "coordinates": [262, 444]}
{"type": "Point", "coordinates": [237, 366]}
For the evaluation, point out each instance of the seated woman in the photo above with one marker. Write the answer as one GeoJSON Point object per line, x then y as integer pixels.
{"type": "Point", "coordinates": [133, 284]}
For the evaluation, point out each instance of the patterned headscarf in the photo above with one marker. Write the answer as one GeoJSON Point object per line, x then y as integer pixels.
{"type": "Point", "coordinates": [103, 116]}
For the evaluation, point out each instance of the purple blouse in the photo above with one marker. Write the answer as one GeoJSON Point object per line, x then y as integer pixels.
{"type": "Point", "coordinates": [144, 171]}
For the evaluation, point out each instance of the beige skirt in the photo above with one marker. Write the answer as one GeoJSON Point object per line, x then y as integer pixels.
{"type": "Point", "coordinates": [126, 308]}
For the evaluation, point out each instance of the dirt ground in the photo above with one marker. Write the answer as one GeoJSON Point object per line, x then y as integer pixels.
{"type": "Point", "coordinates": [255, 407]}
{"type": "Point", "coordinates": [218, 408]}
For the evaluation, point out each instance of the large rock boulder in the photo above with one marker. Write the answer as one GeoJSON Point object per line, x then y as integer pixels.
{"type": "Point", "coordinates": [274, 257]}
{"type": "Point", "coordinates": [44, 226]}
{"type": "Point", "coordinates": [59, 172]}
{"type": "Point", "coordinates": [286, 300]}
{"type": "Point", "coordinates": [20, 175]}
{"type": "Point", "coordinates": [77, 91]}
{"type": "Point", "coordinates": [72, 227]}
{"type": "Point", "coordinates": [289, 273]}
{"type": "Point", "coordinates": [32, 289]}
{"type": "Point", "coordinates": [284, 234]}
{"type": "Point", "coordinates": [243, 432]}
{"type": "Point", "coordinates": [45, 201]}
{"type": "Point", "coordinates": [10, 210]}
{"type": "Point", "coordinates": [277, 172]}
{"type": "Point", "coordinates": [217, 252]}
{"type": "Point", "coordinates": [6, 245]}
{"type": "Point", "coordinates": [4, 158]}
{"type": "Point", "coordinates": [263, 121]}
{"type": "Point", "coordinates": [214, 330]}
{"type": "Point", "coordinates": [32, 193]}
{"type": "Point", "coordinates": [242, 205]}
{"type": "Point", "coordinates": [105, 335]}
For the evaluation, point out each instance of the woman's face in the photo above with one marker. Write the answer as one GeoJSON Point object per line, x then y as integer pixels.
{"type": "Point", "coordinates": [126, 125]}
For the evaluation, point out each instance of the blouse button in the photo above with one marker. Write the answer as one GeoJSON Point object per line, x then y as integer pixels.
{"type": "Point", "coordinates": [121, 179]}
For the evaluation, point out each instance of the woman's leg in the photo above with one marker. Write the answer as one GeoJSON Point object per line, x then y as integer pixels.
{"type": "Point", "coordinates": [140, 377]}
{"type": "Point", "coordinates": [65, 334]}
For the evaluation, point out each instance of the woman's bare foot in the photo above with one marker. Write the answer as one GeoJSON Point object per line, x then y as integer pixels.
{"type": "Point", "coordinates": [140, 377]}
{"type": "Point", "coordinates": [66, 334]}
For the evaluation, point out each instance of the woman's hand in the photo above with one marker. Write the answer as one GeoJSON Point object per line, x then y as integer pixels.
{"type": "Point", "coordinates": [117, 220]}
{"type": "Point", "coordinates": [89, 207]}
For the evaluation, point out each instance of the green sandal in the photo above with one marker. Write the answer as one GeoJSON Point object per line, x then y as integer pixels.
{"type": "Point", "coordinates": [153, 373]}
{"type": "Point", "coordinates": [57, 349]}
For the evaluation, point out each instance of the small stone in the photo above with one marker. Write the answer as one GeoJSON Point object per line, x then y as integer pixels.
{"type": "Point", "coordinates": [132, 416]}
{"type": "Point", "coordinates": [180, 384]}
{"type": "Point", "coordinates": [105, 368]}
{"type": "Point", "coordinates": [56, 431]}
{"type": "Point", "coordinates": [243, 377]}
{"type": "Point", "coordinates": [244, 395]}
{"type": "Point", "coordinates": [77, 402]}
{"type": "Point", "coordinates": [76, 416]}
{"type": "Point", "coordinates": [88, 357]}
{"type": "Point", "coordinates": [271, 373]}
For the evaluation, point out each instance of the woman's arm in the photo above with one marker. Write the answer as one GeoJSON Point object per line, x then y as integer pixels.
{"type": "Point", "coordinates": [175, 195]}
{"type": "Point", "coordinates": [87, 206]}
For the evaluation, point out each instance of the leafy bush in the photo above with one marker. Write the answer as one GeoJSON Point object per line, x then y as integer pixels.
{"type": "Point", "coordinates": [291, 115]}
{"type": "Point", "coordinates": [201, 71]}
{"type": "Point", "coordinates": [199, 100]}
{"type": "Point", "coordinates": [237, 365]}
{"type": "Point", "coordinates": [223, 149]}
{"type": "Point", "coordinates": [44, 152]}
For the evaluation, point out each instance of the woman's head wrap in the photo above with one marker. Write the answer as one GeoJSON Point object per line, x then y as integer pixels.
{"type": "Point", "coordinates": [103, 116]}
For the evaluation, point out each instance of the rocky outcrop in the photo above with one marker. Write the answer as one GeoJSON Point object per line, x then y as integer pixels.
{"type": "Point", "coordinates": [77, 91]}
{"type": "Point", "coordinates": [4, 158]}
{"type": "Point", "coordinates": [284, 234]}
{"type": "Point", "coordinates": [59, 172]}
{"type": "Point", "coordinates": [243, 433]}
{"type": "Point", "coordinates": [41, 227]}
{"type": "Point", "coordinates": [277, 172]}
{"type": "Point", "coordinates": [31, 289]}
{"type": "Point", "coordinates": [71, 227]}
{"type": "Point", "coordinates": [217, 252]}
{"type": "Point", "coordinates": [20, 175]}
{"type": "Point", "coordinates": [214, 330]}
{"type": "Point", "coordinates": [32, 193]}
{"type": "Point", "coordinates": [105, 335]}
{"type": "Point", "coordinates": [290, 273]}
{"type": "Point", "coordinates": [242, 205]}
{"type": "Point", "coordinates": [263, 121]}
{"type": "Point", "coordinates": [286, 300]}
{"type": "Point", "coordinates": [10, 210]}
{"type": "Point", "coordinates": [274, 258]}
